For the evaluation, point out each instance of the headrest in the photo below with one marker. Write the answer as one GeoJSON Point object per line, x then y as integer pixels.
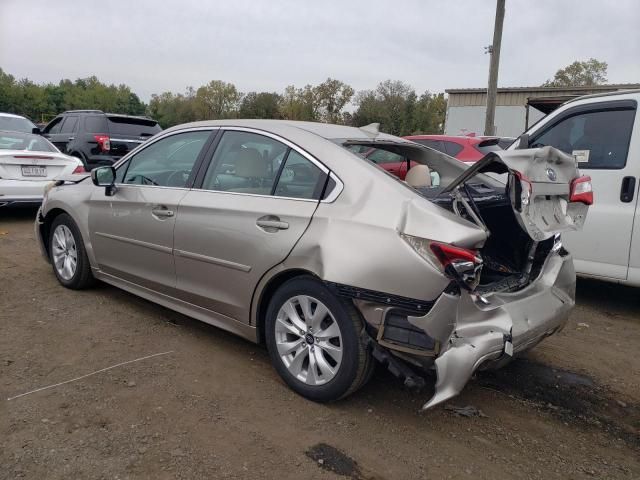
{"type": "Point", "coordinates": [250, 164]}
{"type": "Point", "coordinates": [419, 176]}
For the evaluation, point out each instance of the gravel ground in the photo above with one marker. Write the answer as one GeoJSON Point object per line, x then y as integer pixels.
{"type": "Point", "coordinates": [214, 408]}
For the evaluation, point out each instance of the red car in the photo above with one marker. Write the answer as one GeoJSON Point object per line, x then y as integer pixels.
{"type": "Point", "coordinates": [464, 148]}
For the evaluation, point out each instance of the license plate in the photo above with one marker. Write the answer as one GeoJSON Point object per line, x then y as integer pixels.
{"type": "Point", "coordinates": [33, 171]}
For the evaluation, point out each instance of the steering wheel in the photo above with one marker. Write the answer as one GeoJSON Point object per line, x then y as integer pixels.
{"type": "Point", "coordinates": [144, 180]}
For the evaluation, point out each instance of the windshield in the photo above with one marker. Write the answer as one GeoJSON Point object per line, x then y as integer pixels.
{"type": "Point", "coordinates": [16, 124]}
{"type": "Point", "coordinates": [25, 141]}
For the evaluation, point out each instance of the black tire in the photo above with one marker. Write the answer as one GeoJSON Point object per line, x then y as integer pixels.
{"type": "Point", "coordinates": [82, 277]}
{"type": "Point", "coordinates": [356, 364]}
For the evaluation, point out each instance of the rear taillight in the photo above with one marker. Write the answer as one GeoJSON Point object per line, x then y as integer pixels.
{"type": "Point", "coordinates": [448, 254]}
{"type": "Point", "coordinates": [79, 169]}
{"type": "Point", "coordinates": [460, 264]}
{"type": "Point", "coordinates": [581, 190]}
{"type": "Point", "coordinates": [104, 142]}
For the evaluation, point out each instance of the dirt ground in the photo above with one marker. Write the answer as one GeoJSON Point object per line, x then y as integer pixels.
{"type": "Point", "coordinates": [214, 408]}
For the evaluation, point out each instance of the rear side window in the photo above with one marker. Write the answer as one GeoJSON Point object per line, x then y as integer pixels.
{"type": "Point", "coordinates": [452, 148]}
{"type": "Point", "coordinates": [299, 178]}
{"type": "Point", "coordinates": [435, 144]}
{"type": "Point", "coordinates": [597, 139]}
{"type": "Point", "coordinates": [136, 127]}
{"type": "Point", "coordinates": [96, 124]}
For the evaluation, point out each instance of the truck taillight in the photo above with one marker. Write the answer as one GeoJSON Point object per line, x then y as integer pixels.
{"type": "Point", "coordinates": [79, 169]}
{"type": "Point", "coordinates": [104, 142]}
{"type": "Point", "coordinates": [581, 190]}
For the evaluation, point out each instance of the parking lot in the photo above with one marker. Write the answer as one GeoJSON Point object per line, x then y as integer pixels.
{"type": "Point", "coordinates": [211, 406]}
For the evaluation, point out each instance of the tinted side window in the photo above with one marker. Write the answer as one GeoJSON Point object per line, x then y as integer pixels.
{"type": "Point", "coordinates": [598, 139]}
{"type": "Point", "coordinates": [452, 148]}
{"type": "Point", "coordinates": [54, 126]}
{"type": "Point", "coordinates": [69, 125]}
{"type": "Point", "coordinates": [96, 124]}
{"type": "Point", "coordinates": [435, 144]}
{"type": "Point", "coordinates": [299, 178]}
{"type": "Point", "coordinates": [167, 162]}
{"type": "Point", "coordinates": [245, 163]}
{"type": "Point", "coordinates": [138, 127]}
{"type": "Point", "coordinates": [383, 156]}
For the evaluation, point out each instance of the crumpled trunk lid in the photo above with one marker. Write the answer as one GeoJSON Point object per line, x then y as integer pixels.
{"type": "Point", "coordinates": [538, 186]}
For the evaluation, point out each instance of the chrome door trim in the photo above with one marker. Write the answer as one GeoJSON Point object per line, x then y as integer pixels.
{"type": "Point", "coordinates": [213, 260]}
{"type": "Point", "coordinates": [147, 143]}
{"type": "Point", "coordinates": [280, 139]}
{"type": "Point", "coordinates": [139, 243]}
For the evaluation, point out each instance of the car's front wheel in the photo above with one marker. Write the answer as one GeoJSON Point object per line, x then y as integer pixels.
{"type": "Point", "coordinates": [68, 255]}
{"type": "Point", "coordinates": [314, 341]}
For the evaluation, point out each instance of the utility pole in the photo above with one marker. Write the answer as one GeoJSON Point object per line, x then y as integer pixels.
{"type": "Point", "coordinates": [494, 51]}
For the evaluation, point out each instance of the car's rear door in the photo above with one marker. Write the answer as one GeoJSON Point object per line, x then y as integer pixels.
{"type": "Point", "coordinates": [599, 135]}
{"type": "Point", "coordinates": [132, 230]}
{"type": "Point", "coordinates": [246, 212]}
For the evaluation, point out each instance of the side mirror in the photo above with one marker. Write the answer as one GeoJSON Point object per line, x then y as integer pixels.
{"type": "Point", "coordinates": [36, 131]}
{"type": "Point", "coordinates": [105, 177]}
{"type": "Point", "coordinates": [523, 141]}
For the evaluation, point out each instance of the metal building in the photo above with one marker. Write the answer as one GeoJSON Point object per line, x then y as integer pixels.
{"type": "Point", "coordinates": [516, 107]}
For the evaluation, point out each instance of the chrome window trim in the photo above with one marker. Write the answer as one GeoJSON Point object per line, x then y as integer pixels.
{"type": "Point", "coordinates": [148, 143]}
{"type": "Point", "coordinates": [332, 196]}
{"type": "Point", "coordinates": [280, 139]}
{"type": "Point", "coordinates": [337, 190]}
{"type": "Point", "coordinates": [152, 140]}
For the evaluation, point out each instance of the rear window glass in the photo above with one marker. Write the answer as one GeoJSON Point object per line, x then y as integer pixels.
{"type": "Point", "coordinates": [23, 141]}
{"type": "Point", "coordinates": [138, 127]}
{"type": "Point", "coordinates": [96, 124]}
{"type": "Point", "coordinates": [484, 149]}
{"type": "Point", "coordinates": [16, 124]}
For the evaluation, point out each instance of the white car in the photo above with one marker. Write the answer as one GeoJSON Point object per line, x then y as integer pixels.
{"type": "Point", "coordinates": [602, 132]}
{"type": "Point", "coordinates": [17, 123]}
{"type": "Point", "coordinates": [28, 163]}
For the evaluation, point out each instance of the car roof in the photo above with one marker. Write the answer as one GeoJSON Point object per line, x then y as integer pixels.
{"type": "Point", "coordinates": [12, 115]}
{"type": "Point", "coordinates": [328, 131]}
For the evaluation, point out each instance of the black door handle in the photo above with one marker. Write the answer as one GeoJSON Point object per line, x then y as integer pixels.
{"type": "Point", "coordinates": [628, 189]}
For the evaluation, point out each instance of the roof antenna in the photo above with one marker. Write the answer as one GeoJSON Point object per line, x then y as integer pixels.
{"type": "Point", "coordinates": [372, 128]}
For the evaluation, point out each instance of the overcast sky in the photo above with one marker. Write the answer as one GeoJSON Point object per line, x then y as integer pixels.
{"type": "Point", "coordinates": [159, 45]}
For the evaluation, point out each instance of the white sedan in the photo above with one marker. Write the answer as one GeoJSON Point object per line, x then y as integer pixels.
{"type": "Point", "coordinates": [28, 163]}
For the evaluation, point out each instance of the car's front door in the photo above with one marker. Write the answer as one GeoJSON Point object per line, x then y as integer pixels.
{"type": "Point", "coordinates": [132, 231]}
{"type": "Point", "coordinates": [599, 135]}
{"type": "Point", "coordinates": [66, 134]}
{"type": "Point", "coordinates": [253, 203]}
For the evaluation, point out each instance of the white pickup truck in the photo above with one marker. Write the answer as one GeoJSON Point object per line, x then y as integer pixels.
{"type": "Point", "coordinates": [602, 132]}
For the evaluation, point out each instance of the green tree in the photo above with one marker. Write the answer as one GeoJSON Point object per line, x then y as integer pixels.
{"type": "Point", "coordinates": [299, 103]}
{"type": "Point", "coordinates": [260, 105]}
{"type": "Point", "coordinates": [590, 72]}
{"type": "Point", "coordinates": [331, 97]}
{"type": "Point", "coordinates": [391, 104]}
{"type": "Point", "coordinates": [216, 100]}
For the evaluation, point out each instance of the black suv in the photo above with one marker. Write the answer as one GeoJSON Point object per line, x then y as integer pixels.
{"type": "Point", "coordinates": [98, 138]}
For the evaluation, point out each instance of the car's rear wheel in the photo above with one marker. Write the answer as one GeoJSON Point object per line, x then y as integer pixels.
{"type": "Point", "coordinates": [314, 341]}
{"type": "Point", "coordinates": [68, 255]}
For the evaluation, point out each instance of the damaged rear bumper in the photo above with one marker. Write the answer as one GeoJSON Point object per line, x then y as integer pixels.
{"type": "Point", "coordinates": [475, 331]}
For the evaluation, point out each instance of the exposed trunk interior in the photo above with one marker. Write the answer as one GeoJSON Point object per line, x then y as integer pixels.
{"type": "Point", "coordinates": [511, 259]}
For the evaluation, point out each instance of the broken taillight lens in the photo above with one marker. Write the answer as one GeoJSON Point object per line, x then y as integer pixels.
{"type": "Point", "coordinates": [448, 254]}
{"type": "Point", "coordinates": [460, 264]}
{"type": "Point", "coordinates": [581, 190]}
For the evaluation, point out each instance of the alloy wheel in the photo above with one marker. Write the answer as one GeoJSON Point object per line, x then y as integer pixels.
{"type": "Point", "coordinates": [308, 340]}
{"type": "Point", "coordinates": [65, 252]}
